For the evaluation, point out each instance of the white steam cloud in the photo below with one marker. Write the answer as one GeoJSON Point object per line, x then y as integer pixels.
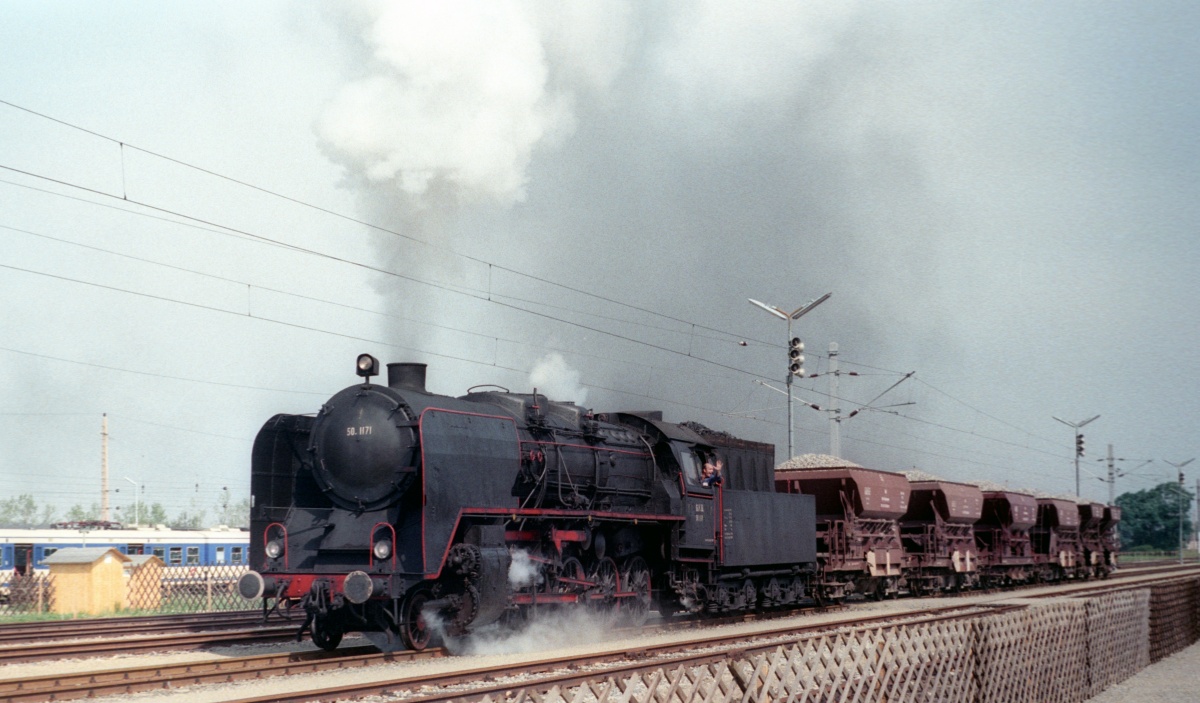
{"type": "Point", "coordinates": [549, 630]}
{"type": "Point", "coordinates": [462, 92]}
{"type": "Point", "coordinates": [552, 377]}
{"type": "Point", "coordinates": [523, 571]}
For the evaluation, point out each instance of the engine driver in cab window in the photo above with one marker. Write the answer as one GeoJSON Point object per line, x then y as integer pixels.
{"type": "Point", "coordinates": [714, 469]}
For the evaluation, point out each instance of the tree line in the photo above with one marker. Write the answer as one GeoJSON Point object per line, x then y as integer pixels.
{"type": "Point", "coordinates": [1150, 518]}
{"type": "Point", "coordinates": [24, 512]}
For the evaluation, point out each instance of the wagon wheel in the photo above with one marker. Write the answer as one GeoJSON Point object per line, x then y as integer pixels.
{"type": "Point", "coordinates": [325, 634]}
{"type": "Point", "coordinates": [636, 579]}
{"type": "Point", "coordinates": [414, 629]}
{"type": "Point", "coordinates": [605, 582]}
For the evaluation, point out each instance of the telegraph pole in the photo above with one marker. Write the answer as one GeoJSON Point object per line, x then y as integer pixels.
{"type": "Point", "coordinates": [835, 438]}
{"type": "Point", "coordinates": [104, 467]}
{"type": "Point", "coordinates": [1078, 444]}
{"type": "Point", "coordinates": [1112, 476]}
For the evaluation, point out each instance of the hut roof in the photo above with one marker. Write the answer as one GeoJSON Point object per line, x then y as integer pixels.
{"type": "Point", "coordinates": [82, 555]}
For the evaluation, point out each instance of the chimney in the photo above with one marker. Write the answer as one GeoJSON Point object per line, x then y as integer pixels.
{"type": "Point", "coordinates": [407, 375]}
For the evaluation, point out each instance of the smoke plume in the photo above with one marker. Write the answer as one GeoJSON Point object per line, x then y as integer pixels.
{"type": "Point", "coordinates": [462, 93]}
{"type": "Point", "coordinates": [553, 378]}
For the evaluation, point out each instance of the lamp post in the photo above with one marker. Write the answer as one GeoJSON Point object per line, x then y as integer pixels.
{"type": "Point", "coordinates": [1078, 444]}
{"type": "Point", "coordinates": [136, 500]}
{"type": "Point", "coordinates": [795, 347]}
{"type": "Point", "coordinates": [1179, 468]}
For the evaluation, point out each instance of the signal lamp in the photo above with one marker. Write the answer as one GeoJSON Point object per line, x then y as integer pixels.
{"type": "Point", "coordinates": [796, 357]}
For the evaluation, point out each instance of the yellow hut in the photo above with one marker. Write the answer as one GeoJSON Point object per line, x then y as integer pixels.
{"type": "Point", "coordinates": [145, 573]}
{"type": "Point", "coordinates": [89, 580]}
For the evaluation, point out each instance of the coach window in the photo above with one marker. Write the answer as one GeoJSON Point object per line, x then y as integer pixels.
{"type": "Point", "coordinates": [159, 552]}
{"type": "Point", "coordinates": [220, 555]}
{"type": "Point", "coordinates": [236, 555]}
{"type": "Point", "coordinates": [47, 552]}
{"type": "Point", "coordinates": [193, 556]}
{"type": "Point", "coordinates": [176, 556]}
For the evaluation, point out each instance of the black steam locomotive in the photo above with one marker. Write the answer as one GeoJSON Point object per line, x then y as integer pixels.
{"type": "Point", "coordinates": [394, 509]}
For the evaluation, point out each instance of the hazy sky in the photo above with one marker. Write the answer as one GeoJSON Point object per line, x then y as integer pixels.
{"type": "Point", "coordinates": [207, 210]}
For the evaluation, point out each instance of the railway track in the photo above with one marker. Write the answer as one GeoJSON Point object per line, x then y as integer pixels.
{"type": "Point", "coordinates": [18, 633]}
{"type": "Point", "coordinates": [78, 648]}
{"type": "Point", "coordinates": [540, 673]}
{"type": "Point", "coordinates": [58, 687]}
{"type": "Point", "coordinates": [126, 680]}
{"type": "Point", "coordinates": [68, 639]}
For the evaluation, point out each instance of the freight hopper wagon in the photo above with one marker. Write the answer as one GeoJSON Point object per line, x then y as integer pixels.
{"type": "Point", "coordinates": [1002, 536]}
{"type": "Point", "coordinates": [1110, 536]}
{"type": "Point", "coordinates": [938, 536]}
{"type": "Point", "coordinates": [1095, 532]}
{"type": "Point", "coordinates": [1057, 550]}
{"type": "Point", "coordinates": [858, 530]}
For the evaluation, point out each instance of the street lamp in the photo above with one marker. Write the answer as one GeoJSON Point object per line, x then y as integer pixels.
{"type": "Point", "coordinates": [795, 348]}
{"type": "Point", "coordinates": [1179, 468]}
{"type": "Point", "coordinates": [1078, 444]}
{"type": "Point", "coordinates": [136, 500]}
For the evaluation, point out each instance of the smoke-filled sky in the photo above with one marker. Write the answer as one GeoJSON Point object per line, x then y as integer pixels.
{"type": "Point", "coordinates": [206, 212]}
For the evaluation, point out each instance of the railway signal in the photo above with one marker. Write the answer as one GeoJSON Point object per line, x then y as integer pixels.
{"type": "Point", "coordinates": [1078, 443]}
{"type": "Point", "coordinates": [795, 366]}
{"type": "Point", "coordinates": [1182, 493]}
{"type": "Point", "coordinates": [796, 357]}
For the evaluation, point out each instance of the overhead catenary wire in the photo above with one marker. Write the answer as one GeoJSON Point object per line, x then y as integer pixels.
{"type": "Point", "coordinates": [328, 211]}
{"type": "Point", "coordinates": [598, 387]}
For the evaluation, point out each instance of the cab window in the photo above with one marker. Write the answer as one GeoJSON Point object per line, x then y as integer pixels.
{"type": "Point", "coordinates": [690, 463]}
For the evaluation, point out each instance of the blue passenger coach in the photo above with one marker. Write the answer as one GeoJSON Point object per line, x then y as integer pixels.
{"type": "Point", "coordinates": [24, 550]}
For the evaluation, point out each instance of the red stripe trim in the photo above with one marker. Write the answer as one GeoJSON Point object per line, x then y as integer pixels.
{"type": "Point", "coordinates": [547, 512]}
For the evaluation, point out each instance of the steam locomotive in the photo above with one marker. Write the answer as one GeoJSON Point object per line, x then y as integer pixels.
{"type": "Point", "coordinates": [403, 514]}
{"type": "Point", "coordinates": [394, 509]}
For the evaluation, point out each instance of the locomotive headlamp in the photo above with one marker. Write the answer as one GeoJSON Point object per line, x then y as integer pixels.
{"type": "Point", "coordinates": [382, 549]}
{"type": "Point", "coordinates": [368, 366]}
{"type": "Point", "coordinates": [273, 549]}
